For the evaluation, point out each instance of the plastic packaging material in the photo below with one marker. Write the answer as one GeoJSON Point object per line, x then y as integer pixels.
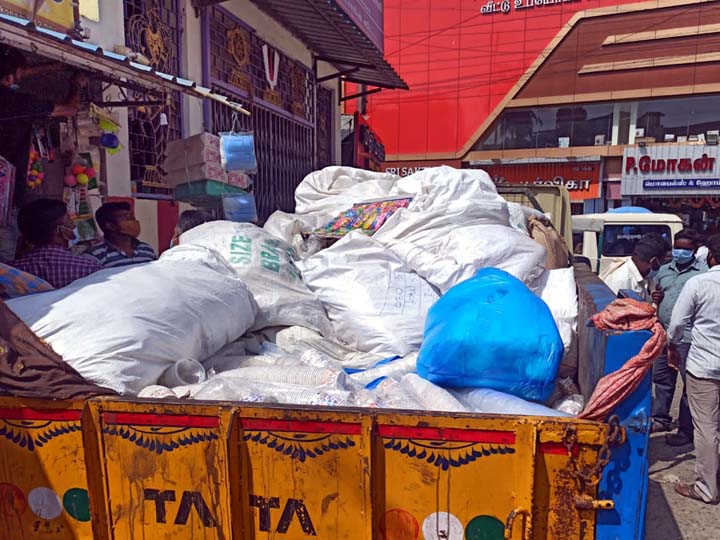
{"type": "Point", "coordinates": [239, 207]}
{"type": "Point", "coordinates": [122, 328]}
{"type": "Point", "coordinates": [375, 303]}
{"type": "Point", "coordinates": [230, 389]}
{"type": "Point", "coordinates": [183, 373]}
{"type": "Point", "coordinates": [266, 265]}
{"type": "Point", "coordinates": [310, 396]}
{"type": "Point", "coordinates": [430, 396]}
{"type": "Point", "coordinates": [157, 392]}
{"type": "Point", "coordinates": [492, 332]}
{"type": "Point", "coordinates": [572, 405]}
{"type": "Point", "coordinates": [486, 401]}
{"type": "Point", "coordinates": [287, 375]}
{"type": "Point", "coordinates": [390, 394]}
{"type": "Point", "coordinates": [297, 340]}
{"type": "Point", "coordinates": [237, 151]}
{"type": "Point", "coordinates": [394, 368]}
{"type": "Point", "coordinates": [558, 290]}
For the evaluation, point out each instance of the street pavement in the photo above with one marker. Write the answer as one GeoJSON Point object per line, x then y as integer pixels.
{"type": "Point", "coordinates": [670, 516]}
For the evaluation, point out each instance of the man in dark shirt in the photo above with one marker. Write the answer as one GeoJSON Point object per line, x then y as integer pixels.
{"type": "Point", "coordinates": [18, 112]}
{"type": "Point", "coordinates": [46, 225]}
{"type": "Point", "coordinates": [121, 230]}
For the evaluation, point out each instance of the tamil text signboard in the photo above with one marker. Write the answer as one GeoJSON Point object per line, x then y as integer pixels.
{"type": "Point", "coordinates": [581, 178]}
{"type": "Point", "coordinates": [670, 170]}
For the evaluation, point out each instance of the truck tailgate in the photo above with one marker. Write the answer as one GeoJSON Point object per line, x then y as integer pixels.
{"type": "Point", "coordinates": [207, 471]}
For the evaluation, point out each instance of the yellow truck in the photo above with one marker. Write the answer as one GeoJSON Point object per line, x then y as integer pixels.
{"type": "Point", "coordinates": [130, 469]}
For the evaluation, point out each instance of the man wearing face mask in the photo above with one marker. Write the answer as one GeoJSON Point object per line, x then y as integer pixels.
{"type": "Point", "coordinates": [121, 246]}
{"type": "Point", "coordinates": [669, 282]}
{"type": "Point", "coordinates": [636, 273]}
{"type": "Point", "coordinates": [699, 305]}
{"type": "Point", "coordinates": [46, 225]}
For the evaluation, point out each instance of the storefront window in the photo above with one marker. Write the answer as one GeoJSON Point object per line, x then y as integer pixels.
{"type": "Point", "coordinates": [550, 127]}
{"type": "Point", "coordinates": [679, 120]}
{"type": "Point", "coordinates": [665, 120]}
{"type": "Point", "coordinates": [620, 240]}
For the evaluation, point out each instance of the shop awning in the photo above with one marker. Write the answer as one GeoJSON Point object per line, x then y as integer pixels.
{"type": "Point", "coordinates": [333, 36]}
{"type": "Point", "coordinates": [110, 66]}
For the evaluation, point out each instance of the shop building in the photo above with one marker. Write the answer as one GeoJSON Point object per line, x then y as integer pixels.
{"type": "Point", "coordinates": [583, 86]}
{"type": "Point", "coordinates": [166, 70]}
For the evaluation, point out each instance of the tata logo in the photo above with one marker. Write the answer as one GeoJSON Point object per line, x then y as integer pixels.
{"type": "Point", "coordinates": [169, 508]}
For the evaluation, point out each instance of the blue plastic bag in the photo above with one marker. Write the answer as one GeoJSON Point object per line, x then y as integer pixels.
{"type": "Point", "coordinates": [491, 331]}
{"type": "Point", "coordinates": [237, 152]}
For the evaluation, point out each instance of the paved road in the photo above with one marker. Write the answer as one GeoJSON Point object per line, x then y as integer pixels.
{"type": "Point", "coordinates": [670, 516]}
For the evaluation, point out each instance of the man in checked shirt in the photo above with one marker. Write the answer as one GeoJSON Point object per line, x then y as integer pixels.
{"type": "Point", "coordinates": [46, 225]}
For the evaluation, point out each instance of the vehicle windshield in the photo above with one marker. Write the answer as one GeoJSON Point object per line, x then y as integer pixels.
{"type": "Point", "coordinates": [619, 240]}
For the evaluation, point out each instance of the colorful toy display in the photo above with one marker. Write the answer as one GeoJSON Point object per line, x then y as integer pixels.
{"type": "Point", "coordinates": [80, 174]}
{"type": "Point", "coordinates": [35, 172]}
{"type": "Point", "coordinates": [366, 217]}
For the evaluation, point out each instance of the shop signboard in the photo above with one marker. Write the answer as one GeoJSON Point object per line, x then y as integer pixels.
{"type": "Point", "coordinates": [368, 15]}
{"type": "Point", "coordinates": [56, 14]}
{"type": "Point", "coordinates": [406, 168]}
{"type": "Point", "coordinates": [670, 170]}
{"type": "Point", "coordinates": [581, 178]}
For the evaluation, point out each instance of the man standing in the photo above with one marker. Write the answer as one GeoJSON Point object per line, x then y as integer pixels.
{"type": "Point", "coordinates": [636, 273]}
{"type": "Point", "coordinates": [699, 306]}
{"type": "Point", "coordinates": [121, 246]}
{"type": "Point", "coordinates": [669, 282]}
{"type": "Point", "coordinates": [46, 225]}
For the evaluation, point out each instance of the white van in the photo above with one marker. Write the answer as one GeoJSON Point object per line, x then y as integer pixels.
{"type": "Point", "coordinates": [607, 238]}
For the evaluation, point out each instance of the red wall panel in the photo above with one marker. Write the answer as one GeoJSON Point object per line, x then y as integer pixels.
{"type": "Point", "coordinates": [460, 64]}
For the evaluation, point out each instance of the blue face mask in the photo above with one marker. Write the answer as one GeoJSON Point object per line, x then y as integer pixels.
{"type": "Point", "coordinates": [14, 87]}
{"type": "Point", "coordinates": [682, 256]}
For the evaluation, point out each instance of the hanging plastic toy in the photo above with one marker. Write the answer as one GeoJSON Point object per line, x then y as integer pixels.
{"type": "Point", "coordinates": [35, 172]}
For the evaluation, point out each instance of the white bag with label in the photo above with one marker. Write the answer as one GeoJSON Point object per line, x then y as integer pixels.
{"type": "Point", "coordinates": [375, 303]}
{"type": "Point", "coordinates": [266, 265]}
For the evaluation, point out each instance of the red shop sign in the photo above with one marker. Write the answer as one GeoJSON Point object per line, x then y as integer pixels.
{"type": "Point", "coordinates": [582, 178]}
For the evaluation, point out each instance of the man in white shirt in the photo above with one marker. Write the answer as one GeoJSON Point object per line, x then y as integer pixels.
{"type": "Point", "coordinates": [699, 304]}
{"type": "Point", "coordinates": [635, 274]}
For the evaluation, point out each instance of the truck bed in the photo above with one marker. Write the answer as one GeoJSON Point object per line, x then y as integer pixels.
{"type": "Point", "coordinates": [111, 468]}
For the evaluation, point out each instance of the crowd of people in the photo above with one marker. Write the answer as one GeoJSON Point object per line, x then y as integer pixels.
{"type": "Point", "coordinates": [50, 262]}
{"type": "Point", "coordinates": [686, 292]}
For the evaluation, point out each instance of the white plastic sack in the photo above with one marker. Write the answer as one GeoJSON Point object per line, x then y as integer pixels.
{"type": "Point", "coordinates": [287, 375]}
{"type": "Point", "coordinates": [394, 369]}
{"type": "Point", "coordinates": [265, 264]}
{"type": "Point", "coordinates": [291, 227]}
{"type": "Point", "coordinates": [456, 225]}
{"type": "Point", "coordinates": [559, 291]}
{"type": "Point", "coordinates": [375, 303]}
{"type": "Point", "coordinates": [486, 401]}
{"type": "Point", "coordinates": [122, 328]}
{"type": "Point", "coordinates": [333, 189]}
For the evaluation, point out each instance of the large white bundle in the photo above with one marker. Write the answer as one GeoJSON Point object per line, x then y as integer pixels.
{"type": "Point", "coordinates": [265, 264]}
{"type": "Point", "coordinates": [122, 328]}
{"type": "Point", "coordinates": [557, 288]}
{"type": "Point", "coordinates": [430, 396]}
{"type": "Point", "coordinates": [457, 224]}
{"type": "Point", "coordinates": [375, 303]}
{"type": "Point", "coordinates": [333, 189]}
